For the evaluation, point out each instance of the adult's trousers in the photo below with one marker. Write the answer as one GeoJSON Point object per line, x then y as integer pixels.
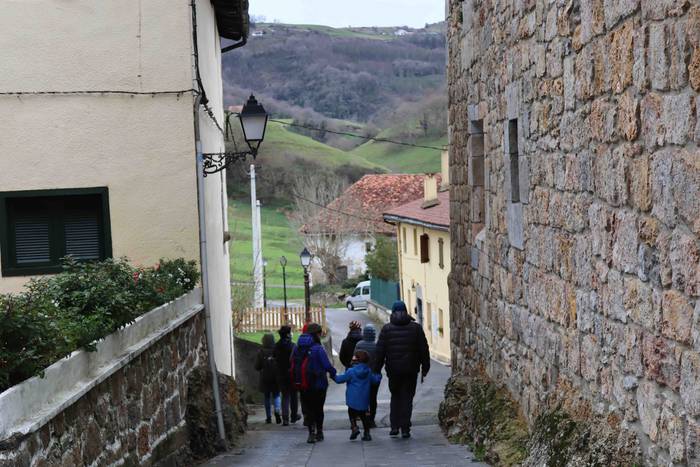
{"type": "Point", "coordinates": [402, 388]}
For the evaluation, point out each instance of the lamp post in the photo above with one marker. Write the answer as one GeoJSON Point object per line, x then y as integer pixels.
{"type": "Point", "coordinates": [264, 283]}
{"type": "Point", "coordinates": [305, 258]}
{"type": "Point", "coordinates": [283, 262]}
{"type": "Point", "coordinates": [253, 119]}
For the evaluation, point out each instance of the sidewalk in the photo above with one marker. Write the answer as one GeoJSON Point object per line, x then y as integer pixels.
{"type": "Point", "coordinates": [273, 445]}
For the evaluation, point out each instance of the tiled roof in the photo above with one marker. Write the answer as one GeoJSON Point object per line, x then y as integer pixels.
{"type": "Point", "coordinates": [366, 200]}
{"type": "Point", "coordinates": [437, 216]}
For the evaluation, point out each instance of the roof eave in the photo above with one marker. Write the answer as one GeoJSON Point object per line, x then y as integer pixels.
{"type": "Point", "coordinates": [394, 219]}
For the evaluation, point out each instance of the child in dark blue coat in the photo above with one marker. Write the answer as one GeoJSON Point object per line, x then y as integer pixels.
{"type": "Point", "coordinates": [359, 379]}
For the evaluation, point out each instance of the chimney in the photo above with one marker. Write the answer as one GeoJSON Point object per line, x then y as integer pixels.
{"type": "Point", "coordinates": [445, 184]}
{"type": "Point", "coordinates": [430, 191]}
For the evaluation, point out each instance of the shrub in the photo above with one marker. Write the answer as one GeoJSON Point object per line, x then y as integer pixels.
{"type": "Point", "coordinates": [58, 314]}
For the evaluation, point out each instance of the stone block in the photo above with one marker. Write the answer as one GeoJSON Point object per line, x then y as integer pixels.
{"type": "Point", "coordinates": [690, 382]}
{"type": "Point", "coordinates": [662, 187]}
{"type": "Point", "coordinates": [679, 54]}
{"type": "Point", "coordinates": [640, 183]}
{"type": "Point", "coordinates": [692, 442]}
{"type": "Point", "coordinates": [652, 121]}
{"type": "Point", "coordinates": [677, 317]}
{"type": "Point", "coordinates": [569, 84]}
{"type": "Point", "coordinates": [649, 405]}
{"type": "Point", "coordinates": [609, 170]}
{"type": "Point", "coordinates": [673, 431]}
{"type": "Point", "coordinates": [621, 56]}
{"type": "Point", "coordinates": [679, 116]}
{"type": "Point", "coordinates": [592, 19]}
{"type": "Point", "coordinates": [628, 116]}
{"type": "Point", "coordinates": [639, 69]}
{"type": "Point", "coordinates": [602, 120]}
{"type": "Point", "coordinates": [685, 262]}
{"type": "Point", "coordinates": [617, 9]}
{"type": "Point", "coordinates": [662, 360]}
{"type": "Point", "coordinates": [637, 299]}
{"type": "Point", "coordinates": [686, 188]}
{"type": "Point", "coordinates": [590, 358]}
{"type": "Point", "coordinates": [658, 56]}
{"type": "Point", "coordinates": [513, 100]}
{"type": "Point", "coordinates": [583, 73]}
{"type": "Point", "coordinates": [694, 69]}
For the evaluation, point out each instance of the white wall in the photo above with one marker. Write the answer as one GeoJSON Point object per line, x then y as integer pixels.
{"type": "Point", "coordinates": [215, 189]}
{"type": "Point", "coordinates": [141, 147]}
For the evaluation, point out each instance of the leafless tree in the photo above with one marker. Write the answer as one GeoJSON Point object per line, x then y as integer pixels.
{"type": "Point", "coordinates": [326, 218]}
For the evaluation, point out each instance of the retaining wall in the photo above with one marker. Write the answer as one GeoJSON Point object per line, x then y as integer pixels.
{"type": "Point", "coordinates": [123, 404]}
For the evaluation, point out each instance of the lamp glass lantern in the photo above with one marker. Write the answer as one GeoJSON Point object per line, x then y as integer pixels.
{"type": "Point", "coordinates": [305, 257]}
{"type": "Point", "coordinates": [254, 122]}
{"type": "Point", "coordinates": [283, 261]}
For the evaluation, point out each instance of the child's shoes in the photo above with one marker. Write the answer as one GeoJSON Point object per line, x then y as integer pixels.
{"type": "Point", "coordinates": [355, 433]}
{"type": "Point", "coordinates": [366, 437]}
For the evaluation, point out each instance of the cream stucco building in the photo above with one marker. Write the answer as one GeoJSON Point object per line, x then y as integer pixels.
{"type": "Point", "coordinates": [100, 123]}
{"type": "Point", "coordinates": [423, 233]}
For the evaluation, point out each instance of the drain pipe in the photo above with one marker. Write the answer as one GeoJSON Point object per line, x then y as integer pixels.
{"type": "Point", "coordinates": [205, 274]}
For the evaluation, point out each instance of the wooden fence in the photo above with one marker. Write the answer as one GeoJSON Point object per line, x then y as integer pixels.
{"type": "Point", "coordinates": [271, 318]}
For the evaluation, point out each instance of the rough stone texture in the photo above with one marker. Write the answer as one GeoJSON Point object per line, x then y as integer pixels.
{"type": "Point", "coordinates": [598, 301]}
{"type": "Point", "coordinates": [134, 417]}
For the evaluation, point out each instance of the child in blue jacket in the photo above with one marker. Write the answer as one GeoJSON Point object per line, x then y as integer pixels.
{"type": "Point", "coordinates": [359, 379]}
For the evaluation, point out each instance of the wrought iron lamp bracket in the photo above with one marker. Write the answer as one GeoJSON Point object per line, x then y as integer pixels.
{"type": "Point", "coordinates": [214, 162]}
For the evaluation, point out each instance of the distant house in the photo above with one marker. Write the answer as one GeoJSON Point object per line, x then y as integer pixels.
{"type": "Point", "coordinates": [401, 32]}
{"type": "Point", "coordinates": [356, 217]}
{"type": "Point", "coordinates": [258, 34]}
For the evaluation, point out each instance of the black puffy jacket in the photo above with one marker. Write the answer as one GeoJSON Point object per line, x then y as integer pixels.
{"type": "Point", "coordinates": [402, 347]}
{"type": "Point", "coordinates": [347, 347]}
{"type": "Point", "coordinates": [283, 353]}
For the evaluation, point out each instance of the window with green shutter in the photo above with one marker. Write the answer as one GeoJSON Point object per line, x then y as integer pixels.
{"type": "Point", "coordinates": [39, 228]}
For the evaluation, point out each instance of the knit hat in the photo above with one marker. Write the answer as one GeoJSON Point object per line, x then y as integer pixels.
{"type": "Point", "coordinates": [305, 329]}
{"type": "Point", "coordinates": [285, 331]}
{"type": "Point", "coordinates": [313, 328]}
{"type": "Point", "coordinates": [399, 306]}
{"type": "Point", "coordinates": [355, 325]}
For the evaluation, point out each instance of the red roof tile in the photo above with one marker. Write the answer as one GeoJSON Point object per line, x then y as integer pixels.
{"type": "Point", "coordinates": [413, 212]}
{"type": "Point", "coordinates": [362, 205]}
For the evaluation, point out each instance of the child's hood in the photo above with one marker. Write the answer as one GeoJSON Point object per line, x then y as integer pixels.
{"type": "Point", "coordinates": [361, 370]}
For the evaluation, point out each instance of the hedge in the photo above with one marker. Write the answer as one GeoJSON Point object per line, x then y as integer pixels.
{"type": "Point", "coordinates": [58, 314]}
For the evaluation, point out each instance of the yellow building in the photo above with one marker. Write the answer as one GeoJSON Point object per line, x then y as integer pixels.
{"type": "Point", "coordinates": [423, 233]}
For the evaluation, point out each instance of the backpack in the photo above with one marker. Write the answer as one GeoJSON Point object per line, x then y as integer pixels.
{"type": "Point", "coordinates": [302, 375]}
{"type": "Point", "coordinates": [269, 367]}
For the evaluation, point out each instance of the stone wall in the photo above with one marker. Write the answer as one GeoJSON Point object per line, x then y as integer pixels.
{"type": "Point", "coordinates": [134, 416]}
{"type": "Point", "coordinates": [575, 206]}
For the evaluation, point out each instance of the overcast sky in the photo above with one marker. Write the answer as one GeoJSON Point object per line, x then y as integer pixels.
{"type": "Point", "coordinates": [340, 13]}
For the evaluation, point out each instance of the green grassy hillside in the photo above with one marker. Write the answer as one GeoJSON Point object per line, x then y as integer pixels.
{"type": "Point", "coordinates": [279, 239]}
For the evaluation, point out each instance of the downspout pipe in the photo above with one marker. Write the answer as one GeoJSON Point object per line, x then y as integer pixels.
{"type": "Point", "coordinates": [235, 46]}
{"type": "Point", "coordinates": [205, 275]}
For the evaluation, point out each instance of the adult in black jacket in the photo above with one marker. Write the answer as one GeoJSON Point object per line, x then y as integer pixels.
{"type": "Point", "coordinates": [290, 397]}
{"type": "Point", "coordinates": [403, 349]}
{"type": "Point", "coordinates": [267, 366]}
{"type": "Point", "coordinates": [347, 347]}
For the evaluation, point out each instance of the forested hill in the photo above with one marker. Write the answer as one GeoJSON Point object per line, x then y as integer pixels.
{"type": "Point", "coordinates": [356, 74]}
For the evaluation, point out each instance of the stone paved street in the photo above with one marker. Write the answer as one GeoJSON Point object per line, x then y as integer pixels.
{"type": "Point", "coordinates": [272, 445]}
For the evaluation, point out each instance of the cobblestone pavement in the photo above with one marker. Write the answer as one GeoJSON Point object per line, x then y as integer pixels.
{"type": "Point", "coordinates": [273, 445]}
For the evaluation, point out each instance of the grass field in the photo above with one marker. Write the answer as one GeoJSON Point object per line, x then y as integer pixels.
{"type": "Point", "coordinates": [279, 239]}
{"type": "Point", "coordinates": [403, 159]}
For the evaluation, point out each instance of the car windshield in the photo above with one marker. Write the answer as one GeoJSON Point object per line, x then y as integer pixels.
{"type": "Point", "coordinates": [356, 292]}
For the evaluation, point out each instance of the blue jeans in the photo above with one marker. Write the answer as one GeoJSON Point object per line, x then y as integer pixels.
{"type": "Point", "coordinates": [271, 397]}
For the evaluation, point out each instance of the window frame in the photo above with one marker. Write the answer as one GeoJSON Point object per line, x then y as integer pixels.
{"type": "Point", "coordinates": [441, 253]}
{"type": "Point", "coordinates": [424, 248]}
{"type": "Point", "coordinates": [10, 269]}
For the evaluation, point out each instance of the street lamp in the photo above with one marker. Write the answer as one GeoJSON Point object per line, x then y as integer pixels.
{"type": "Point", "coordinates": [305, 258]}
{"type": "Point", "coordinates": [265, 283]}
{"type": "Point", "coordinates": [283, 262]}
{"type": "Point", "coordinates": [253, 119]}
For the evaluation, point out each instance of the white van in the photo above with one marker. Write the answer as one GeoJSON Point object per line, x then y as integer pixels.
{"type": "Point", "coordinates": [359, 297]}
